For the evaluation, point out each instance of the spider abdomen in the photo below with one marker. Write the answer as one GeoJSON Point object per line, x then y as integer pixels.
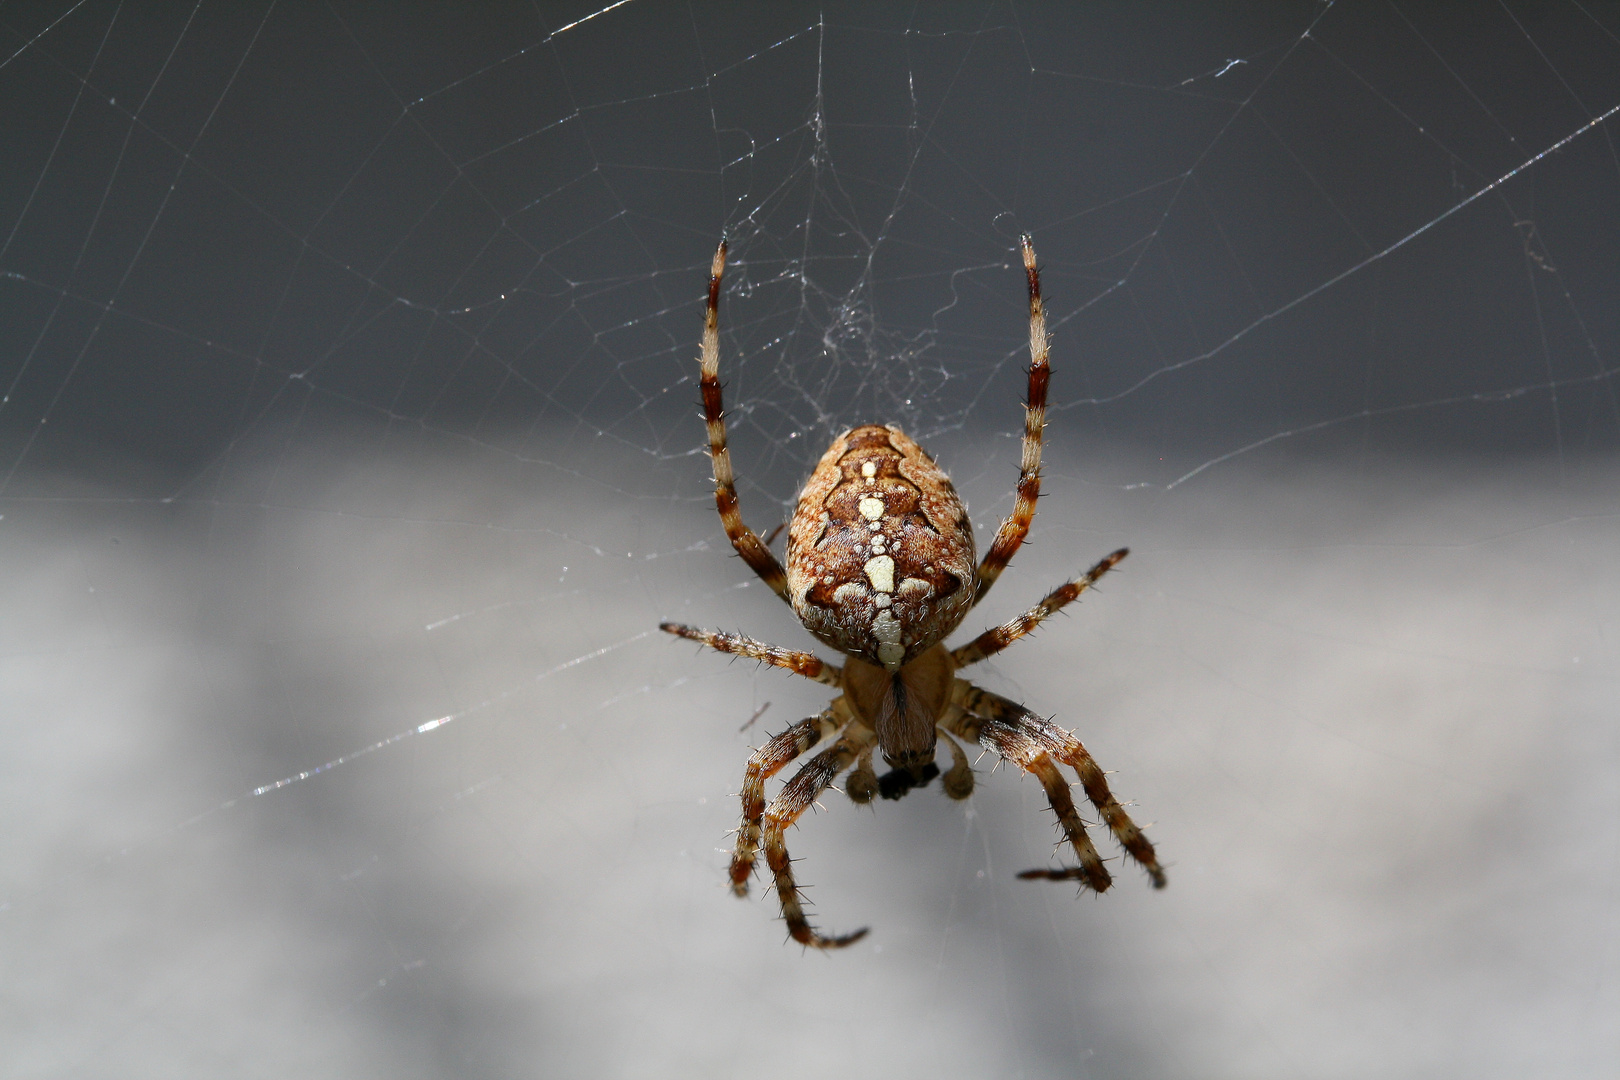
{"type": "Point", "coordinates": [880, 558]}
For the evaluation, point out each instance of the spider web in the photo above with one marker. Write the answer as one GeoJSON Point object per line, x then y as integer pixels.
{"type": "Point", "coordinates": [349, 460]}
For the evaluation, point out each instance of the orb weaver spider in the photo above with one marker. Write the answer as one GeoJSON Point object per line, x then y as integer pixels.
{"type": "Point", "coordinates": [880, 566]}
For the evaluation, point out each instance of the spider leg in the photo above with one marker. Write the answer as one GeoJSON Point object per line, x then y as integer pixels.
{"type": "Point", "coordinates": [794, 799]}
{"type": "Point", "coordinates": [1013, 530]}
{"type": "Point", "coordinates": [809, 665]}
{"type": "Point", "coordinates": [1028, 755]}
{"type": "Point", "coordinates": [767, 761]}
{"type": "Point", "coordinates": [1036, 744]}
{"type": "Point", "coordinates": [749, 546]}
{"type": "Point", "coordinates": [997, 638]}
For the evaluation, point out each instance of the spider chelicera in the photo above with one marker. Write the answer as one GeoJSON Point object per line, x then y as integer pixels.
{"type": "Point", "coordinates": [880, 566]}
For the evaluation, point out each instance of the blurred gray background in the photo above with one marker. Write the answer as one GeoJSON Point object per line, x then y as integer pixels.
{"type": "Point", "coordinates": [349, 458]}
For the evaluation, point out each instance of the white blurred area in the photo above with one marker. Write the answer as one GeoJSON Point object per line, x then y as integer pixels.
{"type": "Point", "coordinates": [1369, 708]}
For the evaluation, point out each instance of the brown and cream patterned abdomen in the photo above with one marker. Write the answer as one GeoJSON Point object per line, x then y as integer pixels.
{"type": "Point", "coordinates": [880, 553]}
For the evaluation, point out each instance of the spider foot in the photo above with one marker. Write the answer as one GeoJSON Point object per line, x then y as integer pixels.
{"type": "Point", "coordinates": [806, 935]}
{"type": "Point", "coordinates": [1095, 877]}
{"type": "Point", "coordinates": [742, 870]}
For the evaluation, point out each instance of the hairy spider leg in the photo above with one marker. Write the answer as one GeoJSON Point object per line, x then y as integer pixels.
{"type": "Point", "coordinates": [765, 763]}
{"type": "Point", "coordinates": [809, 665]}
{"type": "Point", "coordinates": [1027, 754]}
{"type": "Point", "coordinates": [749, 546]}
{"type": "Point", "coordinates": [1013, 530]}
{"type": "Point", "coordinates": [997, 638]}
{"type": "Point", "coordinates": [1033, 743]}
{"type": "Point", "coordinates": [794, 799]}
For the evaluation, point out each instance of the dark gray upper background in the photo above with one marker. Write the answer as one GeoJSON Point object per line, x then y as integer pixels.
{"type": "Point", "coordinates": [447, 221]}
{"type": "Point", "coordinates": [348, 366]}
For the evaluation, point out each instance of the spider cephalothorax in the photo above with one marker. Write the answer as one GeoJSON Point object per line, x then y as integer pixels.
{"type": "Point", "coordinates": [880, 566]}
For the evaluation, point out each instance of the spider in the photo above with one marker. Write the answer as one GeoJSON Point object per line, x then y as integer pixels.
{"type": "Point", "coordinates": [880, 566]}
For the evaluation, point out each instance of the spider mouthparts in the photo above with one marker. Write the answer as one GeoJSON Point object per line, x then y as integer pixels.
{"type": "Point", "coordinates": [896, 783]}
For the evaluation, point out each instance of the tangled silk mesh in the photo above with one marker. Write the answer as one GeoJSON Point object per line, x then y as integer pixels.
{"type": "Point", "coordinates": [349, 459]}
